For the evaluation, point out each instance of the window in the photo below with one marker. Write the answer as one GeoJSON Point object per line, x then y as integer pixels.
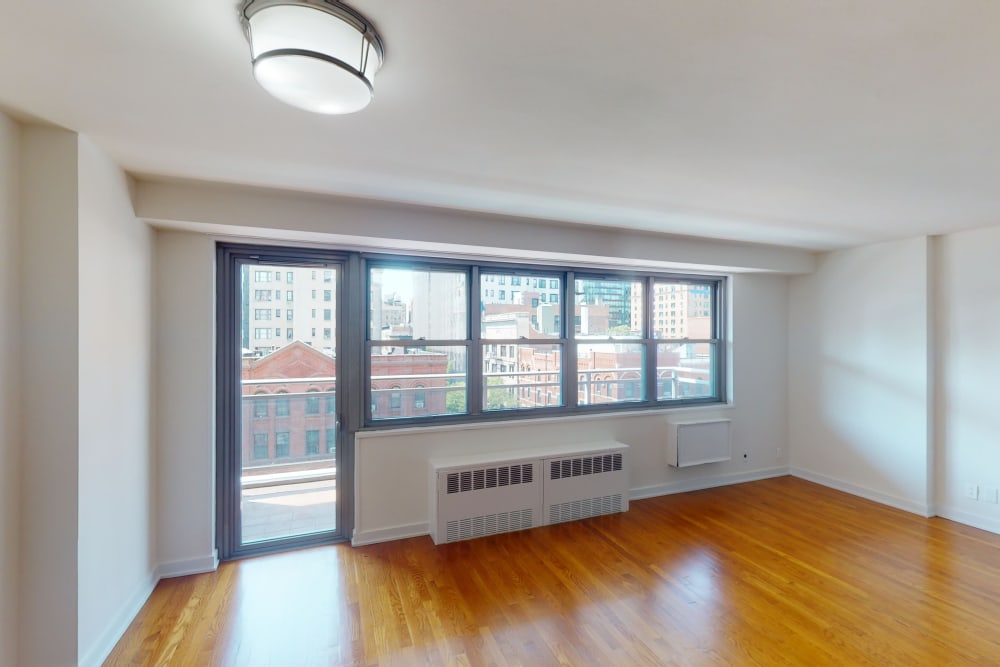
{"type": "Point", "coordinates": [262, 276]}
{"type": "Point", "coordinates": [538, 339]}
{"type": "Point", "coordinates": [262, 334]}
{"type": "Point", "coordinates": [259, 446]}
{"type": "Point", "coordinates": [262, 295]}
{"type": "Point", "coordinates": [312, 442]}
{"type": "Point", "coordinates": [281, 444]}
{"type": "Point", "coordinates": [281, 407]}
{"type": "Point", "coordinates": [430, 345]}
{"type": "Point", "coordinates": [312, 404]}
{"type": "Point", "coordinates": [331, 401]}
{"type": "Point", "coordinates": [331, 441]}
{"type": "Point", "coordinates": [262, 313]}
{"type": "Point", "coordinates": [288, 314]}
{"type": "Point", "coordinates": [289, 295]}
{"type": "Point", "coordinates": [327, 276]}
{"type": "Point", "coordinates": [289, 277]}
{"type": "Point", "coordinates": [288, 333]}
{"type": "Point", "coordinates": [259, 408]}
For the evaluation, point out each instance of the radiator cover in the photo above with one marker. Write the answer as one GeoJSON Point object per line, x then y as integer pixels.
{"type": "Point", "coordinates": [497, 493]}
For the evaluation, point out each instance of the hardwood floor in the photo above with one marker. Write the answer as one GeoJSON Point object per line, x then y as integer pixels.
{"type": "Point", "coordinates": [777, 572]}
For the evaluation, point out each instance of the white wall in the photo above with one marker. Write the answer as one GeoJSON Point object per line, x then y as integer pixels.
{"type": "Point", "coordinates": [858, 373]}
{"type": "Point", "coordinates": [968, 363]}
{"type": "Point", "coordinates": [269, 215]}
{"type": "Point", "coordinates": [116, 488]}
{"type": "Point", "coordinates": [49, 397]}
{"type": "Point", "coordinates": [10, 439]}
{"type": "Point", "coordinates": [185, 389]}
{"type": "Point", "coordinates": [391, 466]}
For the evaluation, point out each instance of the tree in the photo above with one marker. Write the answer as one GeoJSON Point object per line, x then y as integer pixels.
{"type": "Point", "coordinates": [500, 398]}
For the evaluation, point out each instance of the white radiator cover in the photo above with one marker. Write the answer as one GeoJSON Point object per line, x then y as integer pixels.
{"type": "Point", "coordinates": [487, 494]}
{"type": "Point", "coordinates": [692, 443]}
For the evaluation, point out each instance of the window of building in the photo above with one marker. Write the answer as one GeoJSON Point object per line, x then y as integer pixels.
{"type": "Point", "coordinates": [331, 441]}
{"type": "Point", "coordinates": [262, 333]}
{"type": "Point", "coordinates": [281, 444]}
{"type": "Point", "coordinates": [262, 276]}
{"type": "Point", "coordinates": [260, 446]}
{"type": "Point", "coordinates": [312, 442]}
{"type": "Point", "coordinates": [289, 277]}
{"type": "Point", "coordinates": [262, 313]}
{"type": "Point", "coordinates": [282, 407]}
{"type": "Point", "coordinates": [259, 408]}
{"type": "Point", "coordinates": [419, 398]}
{"type": "Point", "coordinates": [327, 295]}
{"type": "Point", "coordinates": [312, 403]}
{"type": "Point", "coordinates": [327, 314]}
{"type": "Point", "coordinates": [289, 295]}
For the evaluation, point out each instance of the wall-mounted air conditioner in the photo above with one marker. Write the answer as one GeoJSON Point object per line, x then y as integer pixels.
{"type": "Point", "coordinates": [691, 443]}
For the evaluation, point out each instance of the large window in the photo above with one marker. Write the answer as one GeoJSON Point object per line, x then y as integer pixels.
{"type": "Point", "coordinates": [611, 341]}
{"type": "Point", "coordinates": [418, 341]}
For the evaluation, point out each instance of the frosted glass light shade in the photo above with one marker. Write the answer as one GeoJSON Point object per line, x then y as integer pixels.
{"type": "Point", "coordinates": [313, 55]}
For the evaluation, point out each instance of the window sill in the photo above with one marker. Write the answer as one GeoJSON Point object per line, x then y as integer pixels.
{"type": "Point", "coordinates": [710, 410]}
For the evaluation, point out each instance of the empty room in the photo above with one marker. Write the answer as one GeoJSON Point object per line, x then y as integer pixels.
{"type": "Point", "coordinates": [499, 333]}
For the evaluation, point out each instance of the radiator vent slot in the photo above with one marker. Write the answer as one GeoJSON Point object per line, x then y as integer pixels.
{"type": "Point", "coordinates": [584, 465]}
{"type": "Point", "coordinates": [585, 507]}
{"type": "Point", "coordinates": [490, 478]}
{"type": "Point", "coordinates": [489, 524]}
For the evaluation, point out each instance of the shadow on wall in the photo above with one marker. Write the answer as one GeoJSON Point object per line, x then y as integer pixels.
{"type": "Point", "coordinates": [872, 429]}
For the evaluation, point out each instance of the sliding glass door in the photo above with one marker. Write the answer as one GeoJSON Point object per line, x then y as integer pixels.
{"type": "Point", "coordinates": [280, 458]}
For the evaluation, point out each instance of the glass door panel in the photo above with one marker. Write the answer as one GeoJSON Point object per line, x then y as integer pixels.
{"type": "Point", "coordinates": [289, 419]}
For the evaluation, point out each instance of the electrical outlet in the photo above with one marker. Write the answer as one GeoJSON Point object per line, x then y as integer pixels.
{"type": "Point", "coordinates": [989, 494]}
{"type": "Point", "coordinates": [972, 491]}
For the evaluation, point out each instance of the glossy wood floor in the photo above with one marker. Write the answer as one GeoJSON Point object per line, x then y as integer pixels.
{"type": "Point", "coordinates": [778, 572]}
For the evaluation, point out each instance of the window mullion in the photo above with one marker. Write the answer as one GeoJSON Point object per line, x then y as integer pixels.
{"type": "Point", "coordinates": [571, 384]}
{"type": "Point", "coordinates": [650, 363]}
{"type": "Point", "coordinates": [474, 352]}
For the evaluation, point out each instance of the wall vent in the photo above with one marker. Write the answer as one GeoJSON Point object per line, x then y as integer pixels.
{"type": "Point", "coordinates": [587, 507]}
{"type": "Point", "coordinates": [489, 478]}
{"type": "Point", "coordinates": [586, 465]}
{"type": "Point", "coordinates": [489, 524]}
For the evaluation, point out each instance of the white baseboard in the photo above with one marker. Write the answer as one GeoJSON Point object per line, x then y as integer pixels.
{"type": "Point", "coordinates": [101, 648]}
{"type": "Point", "coordinates": [987, 523]}
{"type": "Point", "coordinates": [363, 537]}
{"type": "Point", "coordinates": [864, 492]}
{"type": "Point", "coordinates": [180, 568]}
{"type": "Point", "coordinates": [704, 483]}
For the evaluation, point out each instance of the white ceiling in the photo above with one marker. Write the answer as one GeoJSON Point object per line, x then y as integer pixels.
{"type": "Point", "coordinates": [816, 124]}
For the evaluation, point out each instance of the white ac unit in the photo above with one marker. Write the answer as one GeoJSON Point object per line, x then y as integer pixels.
{"type": "Point", "coordinates": [585, 484]}
{"type": "Point", "coordinates": [692, 443]}
{"type": "Point", "coordinates": [502, 492]}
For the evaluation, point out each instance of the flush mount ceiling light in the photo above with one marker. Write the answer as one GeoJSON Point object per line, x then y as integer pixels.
{"type": "Point", "coordinates": [318, 55]}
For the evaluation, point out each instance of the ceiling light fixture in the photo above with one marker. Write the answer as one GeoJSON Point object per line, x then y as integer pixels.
{"type": "Point", "coordinates": [318, 55]}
